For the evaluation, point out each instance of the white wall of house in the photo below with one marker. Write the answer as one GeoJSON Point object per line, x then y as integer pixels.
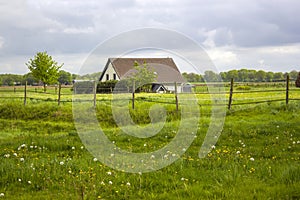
{"type": "Point", "coordinates": [171, 87]}
{"type": "Point", "coordinates": [110, 74]}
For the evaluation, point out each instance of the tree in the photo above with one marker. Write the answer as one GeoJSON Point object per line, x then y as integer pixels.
{"type": "Point", "coordinates": [261, 76]}
{"type": "Point", "coordinates": [29, 78]}
{"type": "Point", "coordinates": [65, 77]}
{"type": "Point", "coordinates": [44, 68]}
{"type": "Point", "coordinates": [143, 76]}
{"type": "Point", "coordinates": [211, 76]}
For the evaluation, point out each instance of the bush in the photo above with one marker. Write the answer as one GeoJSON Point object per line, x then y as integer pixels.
{"type": "Point", "coordinates": [106, 87]}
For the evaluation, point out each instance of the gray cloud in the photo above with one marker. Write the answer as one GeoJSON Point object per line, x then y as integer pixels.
{"type": "Point", "coordinates": [66, 28]}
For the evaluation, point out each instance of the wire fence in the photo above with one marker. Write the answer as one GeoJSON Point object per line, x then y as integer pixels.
{"type": "Point", "coordinates": [236, 94]}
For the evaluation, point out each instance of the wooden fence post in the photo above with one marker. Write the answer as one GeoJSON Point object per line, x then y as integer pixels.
{"type": "Point", "coordinates": [133, 94]}
{"type": "Point", "coordinates": [25, 93]}
{"type": "Point", "coordinates": [59, 93]}
{"type": "Point", "coordinates": [287, 90]}
{"type": "Point", "coordinates": [230, 94]}
{"type": "Point", "coordinates": [95, 93]}
{"type": "Point", "coordinates": [176, 97]}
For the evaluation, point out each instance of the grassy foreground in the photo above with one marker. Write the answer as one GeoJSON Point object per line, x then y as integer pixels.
{"type": "Point", "coordinates": [256, 157]}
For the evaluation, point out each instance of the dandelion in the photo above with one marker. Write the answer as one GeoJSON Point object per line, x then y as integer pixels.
{"type": "Point", "coordinates": [95, 159]}
{"type": "Point", "coordinates": [128, 184]}
{"type": "Point", "coordinates": [22, 159]}
{"type": "Point", "coordinates": [110, 182]}
{"type": "Point", "coordinates": [251, 159]}
{"type": "Point", "coordinates": [1, 194]}
{"type": "Point", "coordinates": [252, 170]}
{"type": "Point", "coordinates": [22, 146]}
{"type": "Point", "coordinates": [61, 163]}
{"type": "Point", "coordinates": [108, 173]}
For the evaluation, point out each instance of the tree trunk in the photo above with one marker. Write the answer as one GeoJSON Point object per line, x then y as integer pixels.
{"type": "Point", "coordinates": [45, 87]}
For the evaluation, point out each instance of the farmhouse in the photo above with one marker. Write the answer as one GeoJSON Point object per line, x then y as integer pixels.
{"type": "Point", "coordinates": [165, 68]}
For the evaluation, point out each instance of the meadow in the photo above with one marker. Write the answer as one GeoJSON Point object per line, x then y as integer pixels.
{"type": "Point", "coordinates": [256, 157]}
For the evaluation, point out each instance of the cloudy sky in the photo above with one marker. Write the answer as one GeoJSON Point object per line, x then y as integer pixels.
{"type": "Point", "coordinates": [256, 34]}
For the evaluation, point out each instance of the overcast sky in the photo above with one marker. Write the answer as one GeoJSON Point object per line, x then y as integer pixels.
{"type": "Point", "coordinates": [256, 34]}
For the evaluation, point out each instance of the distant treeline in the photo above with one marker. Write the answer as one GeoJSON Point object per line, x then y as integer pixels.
{"type": "Point", "coordinates": [242, 75]}
{"type": "Point", "coordinates": [64, 78]}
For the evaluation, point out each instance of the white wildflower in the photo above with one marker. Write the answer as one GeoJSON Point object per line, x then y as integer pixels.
{"type": "Point", "coordinates": [251, 159]}
{"type": "Point", "coordinates": [1, 194]}
{"type": "Point", "coordinates": [110, 182]}
{"type": "Point", "coordinates": [7, 155]}
{"type": "Point", "coordinates": [15, 154]}
{"type": "Point", "coordinates": [109, 173]}
{"type": "Point", "coordinates": [29, 182]}
{"type": "Point", "coordinates": [73, 148]}
{"type": "Point", "coordinates": [152, 156]}
{"type": "Point", "coordinates": [61, 163]}
{"type": "Point", "coordinates": [213, 146]}
{"type": "Point", "coordinates": [95, 159]}
{"type": "Point", "coordinates": [22, 159]}
{"type": "Point", "coordinates": [238, 152]}
{"type": "Point", "coordinates": [128, 184]}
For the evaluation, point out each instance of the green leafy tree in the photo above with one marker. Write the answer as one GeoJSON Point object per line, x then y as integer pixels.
{"type": "Point", "coordinates": [65, 77]}
{"type": "Point", "coordinates": [44, 68]}
{"type": "Point", "coordinates": [143, 76]}
{"type": "Point", "coordinates": [29, 78]}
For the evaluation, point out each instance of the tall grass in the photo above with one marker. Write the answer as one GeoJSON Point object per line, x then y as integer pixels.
{"type": "Point", "coordinates": [256, 157]}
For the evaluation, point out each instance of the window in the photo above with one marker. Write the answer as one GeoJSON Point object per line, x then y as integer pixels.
{"type": "Point", "coordinates": [115, 76]}
{"type": "Point", "coordinates": [107, 77]}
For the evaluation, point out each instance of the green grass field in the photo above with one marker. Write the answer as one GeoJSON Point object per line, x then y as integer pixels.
{"type": "Point", "coordinates": [42, 157]}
